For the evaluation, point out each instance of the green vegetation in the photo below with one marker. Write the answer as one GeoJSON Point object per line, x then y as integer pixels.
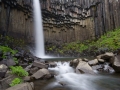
{"type": "Point", "coordinates": [12, 42]}
{"type": "Point", "coordinates": [107, 42]}
{"type": "Point", "coordinates": [15, 82]}
{"type": "Point", "coordinates": [7, 49]}
{"type": "Point", "coordinates": [19, 71]}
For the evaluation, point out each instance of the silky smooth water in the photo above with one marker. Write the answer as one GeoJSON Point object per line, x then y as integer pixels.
{"type": "Point", "coordinates": [39, 35]}
{"type": "Point", "coordinates": [72, 81]}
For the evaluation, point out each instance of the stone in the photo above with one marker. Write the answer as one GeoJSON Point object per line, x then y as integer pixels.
{"type": "Point", "coordinates": [52, 64]}
{"type": "Point", "coordinates": [62, 83]}
{"type": "Point", "coordinates": [40, 73]}
{"type": "Point", "coordinates": [39, 64]}
{"type": "Point", "coordinates": [101, 61]}
{"type": "Point", "coordinates": [84, 67]}
{"type": "Point", "coordinates": [10, 62]}
{"type": "Point", "coordinates": [27, 78]}
{"type": "Point", "coordinates": [33, 70]}
{"type": "Point", "coordinates": [116, 63]}
{"type": "Point", "coordinates": [96, 67]}
{"type": "Point", "coordinates": [93, 62]}
{"type": "Point", "coordinates": [85, 59]}
{"type": "Point", "coordinates": [3, 70]}
{"type": "Point", "coordinates": [28, 68]}
{"type": "Point", "coordinates": [23, 86]}
{"type": "Point", "coordinates": [4, 83]}
{"type": "Point", "coordinates": [75, 62]}
{"type": "Point", "coordinates": [107, 56]}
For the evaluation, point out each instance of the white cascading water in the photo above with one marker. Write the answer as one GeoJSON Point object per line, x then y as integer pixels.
{"type": "Point", "coordinates": [39, 35]}
{"type": "Point", "coordinates": [66, 77]}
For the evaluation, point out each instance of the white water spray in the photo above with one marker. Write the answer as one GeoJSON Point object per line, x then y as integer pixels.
{"type": "Point", "coordinates": [39, 35]}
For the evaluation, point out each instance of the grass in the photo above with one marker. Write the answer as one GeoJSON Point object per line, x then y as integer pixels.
{"type": "Point", "coordinates": [107, 42]}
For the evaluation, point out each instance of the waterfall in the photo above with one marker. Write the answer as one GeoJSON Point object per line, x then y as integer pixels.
{"type": "Point", "coordinates": [39, 35]}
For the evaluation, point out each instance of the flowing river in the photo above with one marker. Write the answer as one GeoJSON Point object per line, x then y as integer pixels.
{"type": "Point", "coordinates": [66, 79]}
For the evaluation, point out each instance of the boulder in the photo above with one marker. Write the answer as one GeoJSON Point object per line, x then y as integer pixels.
{"type": "Point", "coordinates": [52, 64]}
{"type": "Point", "coordinates": [3, 70]}
{"type": "Point", "coordinates": [93, 62]}
{"type": "Point", "coordinates": [107, 56]}
{"type": "Point", "coordinates": [75, 62]}
{"type": "Point", "coordinates": [23, 86]}
{"type": "Point", "coordinates": [39, 64]}
{"type": "Point", "coordinates": [116, 63]}
{"type": "Point", "coordinates": [40, 73]}
{"type": "Point", "coordinates": [84, 67]}
{"type": "Point", "coordinates": [4, 83]}
{"type": "Point", "coordinates": [85, 59]}
{"type": "Point", "coordinates": [101, 61]}
{"type": "Point", "coordinates": [34, 70]}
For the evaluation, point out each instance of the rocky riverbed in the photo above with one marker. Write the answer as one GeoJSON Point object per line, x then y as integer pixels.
{"type": "Point", "coordinates": [39, 70]}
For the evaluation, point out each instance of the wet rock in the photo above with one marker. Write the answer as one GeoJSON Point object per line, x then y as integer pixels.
{"type": "Point", "coordinates": [96, 67]}
{"type": "Point", "coordinates": [3, 70]}
{"type": "Point", "coordinates": [34, 70]}
{"type": "Point", "coordinates": [84, 67]}
{"type": "Point", "coordinates": [40, 73]}
{"type": "Point", "coordinates": [39, 64]}
{"type": "Point", "coordinates": [23, 86]}
{"type": "Point", "coordinates": [75, 62]}
{"type": "Point", "coordinates": [108, 69]}
{"type": "Point", "coordinates": [116, 63]}
{"type": "Point", "coordinates": [101, 61]}
{"type": "Point", "coordinates": [52, 64]}
{"type": "Point", "coordinates": [93, 62]}
{"type": "Point", "coordinates": [85, 59]}
{"type": "Point", "coordinates": [107, 56]}
{"type": "Point", "coordinates": [62, 83]}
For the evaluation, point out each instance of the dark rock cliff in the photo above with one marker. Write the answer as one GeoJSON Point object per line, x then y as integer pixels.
{"type": "Point", "coordinates": [63, 20]}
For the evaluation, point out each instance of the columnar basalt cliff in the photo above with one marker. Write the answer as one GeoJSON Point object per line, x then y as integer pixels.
{"type": "Point", "coordinates": [16, 18]}
{"type": "Point", "coordinates": [78, 20]}
{"type": "Point", "coordinates": [63, 20]}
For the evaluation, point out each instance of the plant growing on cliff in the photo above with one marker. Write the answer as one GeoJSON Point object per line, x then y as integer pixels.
{"type": "Point", "coordinates": [15, 82]}
{"type": "Point", "coordinates": [109, 41]}
{"type": "Point", "coordinates": [19, 71]}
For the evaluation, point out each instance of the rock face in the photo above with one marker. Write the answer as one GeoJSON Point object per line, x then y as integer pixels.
{"type": "Point", "coordinates": [83, 67]}
{"type": "Point", "coordinates": [24, 86]}
{"type": "Point", "coordinates": [63, 20]}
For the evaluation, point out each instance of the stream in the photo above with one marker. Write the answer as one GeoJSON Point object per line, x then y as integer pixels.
{"type": "Point", "coordinates": [66, 79]}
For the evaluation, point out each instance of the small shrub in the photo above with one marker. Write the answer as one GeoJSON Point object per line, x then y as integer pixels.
{"type": "Point", "coordinates": [18, 70]}
{"type": "Point", "coordinates": [15, 82]}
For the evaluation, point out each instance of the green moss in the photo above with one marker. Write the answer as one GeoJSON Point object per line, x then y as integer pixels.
{"type": "Point", "coordinates": [19, 71]}
{"type": "Point", "coordinates": [15, 82]}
